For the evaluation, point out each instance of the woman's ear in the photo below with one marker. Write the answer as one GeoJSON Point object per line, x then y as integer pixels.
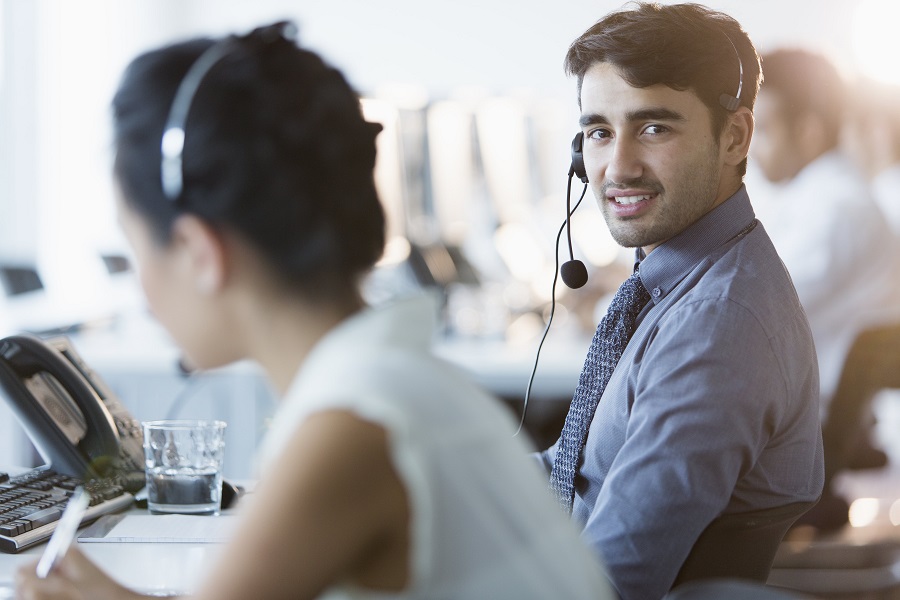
{"type": "Point", "coordinates": [202, 253]}
{"type": "Point", "coordinates": [737, 134]}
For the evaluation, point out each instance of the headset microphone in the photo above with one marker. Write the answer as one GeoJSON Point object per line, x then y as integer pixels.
{"type": "Point", "coordinates": [573, 272]}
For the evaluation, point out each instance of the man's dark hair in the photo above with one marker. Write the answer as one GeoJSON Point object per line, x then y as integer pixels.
{"type": "Point", "coordinates": [807, 83]}
{"type": "Point", "coordinates": [683, 46]}
{"type": "Point", "coordinates": [276, 149]}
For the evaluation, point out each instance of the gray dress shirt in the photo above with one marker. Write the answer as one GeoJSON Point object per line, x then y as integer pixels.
{"type": "Point", "coordinates": [712, 409]}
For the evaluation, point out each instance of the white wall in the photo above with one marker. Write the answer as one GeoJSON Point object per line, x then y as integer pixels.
{"type": "Point", "coordinates": [498, 44]}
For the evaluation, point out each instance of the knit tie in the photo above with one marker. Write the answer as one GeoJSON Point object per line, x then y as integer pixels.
{"type": "Point", "coordinates": [606, 349]}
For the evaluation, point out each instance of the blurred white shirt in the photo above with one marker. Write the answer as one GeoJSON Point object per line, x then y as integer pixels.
{"type": "Point", "coordinates": [840, 251]}
{"type": "Point", "coordinates": [484, 523]}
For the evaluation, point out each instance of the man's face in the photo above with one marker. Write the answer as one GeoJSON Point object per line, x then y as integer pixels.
{"type": "Point", "coordinates": [774, 148]}
{"type": "Point", "coordinates": [654, 165]}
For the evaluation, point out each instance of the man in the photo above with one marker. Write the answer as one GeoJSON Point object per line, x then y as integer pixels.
{"type": "Point", "coordinates": [833, 237]}
{"type": "Point", "coordinates": [711, 409]}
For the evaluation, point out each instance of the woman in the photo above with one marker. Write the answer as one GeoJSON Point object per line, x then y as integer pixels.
{"type": "Point", "coordinates": [385, 473]}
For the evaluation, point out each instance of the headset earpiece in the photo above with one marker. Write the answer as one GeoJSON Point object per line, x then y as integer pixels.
{"type": "Point", "coordinates": [577, 167]}
{"type": "Point", "coordinates": [729, 102]}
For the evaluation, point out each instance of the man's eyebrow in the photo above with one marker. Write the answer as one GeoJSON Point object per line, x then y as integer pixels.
{"type": "Point", "coordinates": [644, 114]}
{"type": "Point", "coordinates": [591, 119]}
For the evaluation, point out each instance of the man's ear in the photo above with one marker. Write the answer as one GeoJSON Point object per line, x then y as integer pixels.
{"type": "Point", "coordinates": [202, 253]}
{"type": "Point", "coordinates": [737, 134]}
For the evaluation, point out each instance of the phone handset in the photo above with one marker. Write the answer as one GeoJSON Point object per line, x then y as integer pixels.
{"type": "Point", "coordinates": [30, 367]}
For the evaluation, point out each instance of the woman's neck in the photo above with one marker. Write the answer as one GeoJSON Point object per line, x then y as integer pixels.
{"type": "Point", "coordinates": [281, 333]}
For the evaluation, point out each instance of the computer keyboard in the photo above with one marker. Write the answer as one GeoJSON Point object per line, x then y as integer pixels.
{"type": "Point", "coordinates": [32, 502]}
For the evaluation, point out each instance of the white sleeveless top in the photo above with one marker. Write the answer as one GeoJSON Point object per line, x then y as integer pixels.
{"type": "Point", "coordinates": [484, 525]}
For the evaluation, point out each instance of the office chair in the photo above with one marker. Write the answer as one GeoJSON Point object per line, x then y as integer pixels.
{"type": "Point", "coordinates": [740, 546]}
{"type": "Point", "coordinates": [872, 364]}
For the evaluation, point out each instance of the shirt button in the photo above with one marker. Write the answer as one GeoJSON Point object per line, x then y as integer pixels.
{"type": "Point", "coordinates": [657, 292]}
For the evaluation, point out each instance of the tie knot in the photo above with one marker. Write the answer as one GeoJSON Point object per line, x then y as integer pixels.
{"type": "Point", "coordinates": [632, 295]}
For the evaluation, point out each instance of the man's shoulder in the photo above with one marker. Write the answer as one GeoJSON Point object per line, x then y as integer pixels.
{"type": "Point", "coordinates": [748, 268]}
{"type": "Point", "coordinates": [749, 278]}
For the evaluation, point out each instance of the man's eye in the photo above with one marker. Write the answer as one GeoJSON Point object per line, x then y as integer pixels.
{"type": "Point", "coordinates": [655, 129]}
{"type": "Point", "coordinates": [598, 134]}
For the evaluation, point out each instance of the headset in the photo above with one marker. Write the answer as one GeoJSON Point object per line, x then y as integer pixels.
{"type": "Point", "coordinates": [172, 143]}
{"type": "Point", "coordinates": [573, 272]}
{"type": "Point", "coordinates": [729, 102]}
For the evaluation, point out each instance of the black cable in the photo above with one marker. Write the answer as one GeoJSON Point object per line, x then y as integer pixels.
{"type": "Point", "coordinates": [552, 304]}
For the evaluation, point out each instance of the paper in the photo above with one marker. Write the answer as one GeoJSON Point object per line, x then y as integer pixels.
{"type": "Point", "coordinates": [161, 529]}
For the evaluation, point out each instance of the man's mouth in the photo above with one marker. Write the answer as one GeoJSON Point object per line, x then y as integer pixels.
{"type": "Point", "coordinates": [626, 200]}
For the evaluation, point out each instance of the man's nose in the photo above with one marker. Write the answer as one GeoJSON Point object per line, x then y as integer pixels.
{"type": "Point", "coordinates": [624, 161]}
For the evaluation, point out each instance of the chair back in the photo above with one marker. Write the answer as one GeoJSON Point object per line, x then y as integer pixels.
{"type": "Point", "coordinates": [872, 364]}
{"type": "Point", "coordinates": [740, 546]}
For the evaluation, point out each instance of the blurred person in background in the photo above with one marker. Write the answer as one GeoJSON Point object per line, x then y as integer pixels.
{"type": "Point", "coordinates": [828, 230]}
{"type": "Point", "coordinates": [872, 138]}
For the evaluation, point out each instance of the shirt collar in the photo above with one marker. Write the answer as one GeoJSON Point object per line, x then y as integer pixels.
{"type": "Point", "coordinates": [671, 261]}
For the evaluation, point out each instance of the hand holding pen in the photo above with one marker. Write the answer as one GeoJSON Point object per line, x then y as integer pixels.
{"type": "Point", "coordinates": [43, 581]}
{"type": "Point", "coordinates": [64, 533]}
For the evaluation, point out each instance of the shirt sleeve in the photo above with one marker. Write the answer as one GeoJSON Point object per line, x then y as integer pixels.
{"type": "Point", "coordinates": [546, 457]}
{"type": "Point", "coordinates": [707, 396]}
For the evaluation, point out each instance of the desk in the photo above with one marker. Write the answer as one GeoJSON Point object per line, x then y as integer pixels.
{"type": "Point", "coordinates": [145, 567]}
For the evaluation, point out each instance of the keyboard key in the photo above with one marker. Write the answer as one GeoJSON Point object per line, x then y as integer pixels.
{"type": "Point", "coordinates": [42, 517]}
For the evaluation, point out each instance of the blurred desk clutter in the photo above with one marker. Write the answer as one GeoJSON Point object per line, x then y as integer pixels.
{"type": "Point", "coordinates": [144, 368]}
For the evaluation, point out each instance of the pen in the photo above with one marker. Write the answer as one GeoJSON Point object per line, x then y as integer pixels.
{"type": "Point", "coordinates": [64, 533]}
